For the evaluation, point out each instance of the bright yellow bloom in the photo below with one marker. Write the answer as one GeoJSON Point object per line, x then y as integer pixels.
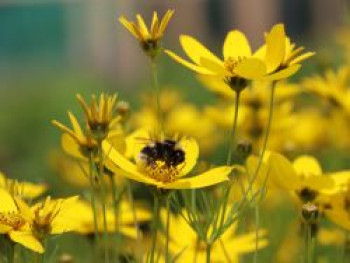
{"type": "Point", "coordinates": [24, 190]}
{"type": "Point", "coordinates": [164, 163]}
{"type": "Point", "coordinates": [184, 242]}
{"type": "Point", "coordinates": [282, 58]}
{"type": "Point", "coordinates": [239, 63]}
{"type": "Point", "coordinates": [85, 222]}
{"type": "Point", "coordinates": [29, 226]}
{"type": "Point", "coordinates": [149, 39]}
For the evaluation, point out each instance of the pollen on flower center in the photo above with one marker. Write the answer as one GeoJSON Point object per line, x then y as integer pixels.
{"type": "Point", "coordinates": [11, 219]}
{"type": "Point", "coordinates": [231, 63]}
{"type": "Point", "coordinates": [162, 160]}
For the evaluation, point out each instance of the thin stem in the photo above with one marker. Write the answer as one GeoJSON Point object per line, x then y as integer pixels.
{"type": "Point", "coordinates": [167, 232]}
{"type": "Point", "coordinates": [157, 92]}
{"type": "Point", "coordinates": [12, 253]}
{"type": "Point", "coordinates": [104, 200]}
{"type": "Point", "coordinates": [257, 224]}
{"type": "Point", "coordinates": [156, 209]}
{"type": "Point", "coordinates": [138, 235]}
{"type": "Point", "coordinates": [116, 213]}
{"type": "Point", "coordinates": [267, 134]}
{"type": "Point", "coordinates": [208, 252]}
{"type": "Point", "coordinates": [93, 199]}
{"type": "Point", "coordinates": [233, 130]}
{"type": "Point", "coordinates": [309, 244]}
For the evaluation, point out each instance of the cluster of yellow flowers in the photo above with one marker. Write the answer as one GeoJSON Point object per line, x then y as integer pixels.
{"type": "Point", "coordinates": [114, 155]}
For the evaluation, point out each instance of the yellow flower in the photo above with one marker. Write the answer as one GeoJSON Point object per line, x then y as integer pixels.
{"type": "Point", "coordinates": [149, 39]}
{"type": "Point", "coordinates": [163, 163]}
{"type": "Point", "coordinates": [100, 124]}
{"type": "Point", "coordinates": [239, 64]}
{"type": "Point", "coordinates": [85, 222]}
{"type": "Point", "coordinates": [100, 115]}
{"type": "Point", "coordinates": [24, 190]}
{"type": "Point", "coordinates": [282, 58]}
{"type": "Point", "coordinates": [304, 177]}
{"type": "Point", "coordinates": [184, 242]}
{"type": "Point", "coordinates": [29, 226]}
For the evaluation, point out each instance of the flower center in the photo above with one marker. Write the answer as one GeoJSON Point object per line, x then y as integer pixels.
{"type": "Point", "coordinates": [11, 219]}
{"type": "Point", "coordinates": [162, 160]}
{"type": "Point", "coordinates": [231, 63]}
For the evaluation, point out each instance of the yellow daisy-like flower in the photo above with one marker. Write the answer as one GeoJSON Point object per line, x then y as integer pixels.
{"type": "Point", "coordinates": [149, 39]}
{"type": "Point", "coordinates": [29, 226]}
{"type": "Point", "coordinates": [164, 163]}
{"type": "Point", "coordinates": [239, 63]}
{"type": "Point", "coordinates": [184, 242]}
{"type": "Point", "coordinates": [25, 190]}
{"type": "Point", "coordinates": [282, 57]}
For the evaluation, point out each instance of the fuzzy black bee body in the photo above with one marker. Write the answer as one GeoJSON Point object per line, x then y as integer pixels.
{"type": "Point", "coordinates": [166, 151]}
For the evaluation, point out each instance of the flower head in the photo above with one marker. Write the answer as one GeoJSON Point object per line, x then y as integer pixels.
{"type": "Point", "coordinates": [149, 39]}
{"type": "Point", "coordinates": [164, 162]}
{"type": "Point", "coordinates": [29, 226]}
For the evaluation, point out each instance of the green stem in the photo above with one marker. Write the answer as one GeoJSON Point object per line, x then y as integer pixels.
{"type": "Point", "coordinates": [138, 235]}
{"type": "Point", "coordinates": [257, 223]}
{"type": "Point", "coordinates": [116, 214]}
{"type": "Point", "coordinates": [167, 232]}
{"type": "Point", "coordinates": [233, 130]}
{"type": "Point", "coordinates": [156, 210]}
{"type": "Point", "coordinates": [309, 244]}
{"type": "Point", "coordinates": [93, 199]}
{"type": "Point", "coordinates": [157, 92]}
{"type": "Point", "coordinates": [267, 134]}
{"type": "Point", "coordinates": [104, 200]}
{"type": "Point", "coordinates": [12, 252]}
{"type": "Point", "coordinates": [208, 252]}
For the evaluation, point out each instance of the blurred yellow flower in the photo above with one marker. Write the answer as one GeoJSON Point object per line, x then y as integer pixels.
{"type": "Point", "coordinates": [228, 248]}
{"type": "Point", "coordinates": [149, 39]}
{"type": "Point", "coordinates": [25, 190]}
{"type": "Point", "coordinates": [85, 222]}
{"type": "Point", "coordinates": [163, 163]}
{"type": "Point", "coordinates": [30, 226]}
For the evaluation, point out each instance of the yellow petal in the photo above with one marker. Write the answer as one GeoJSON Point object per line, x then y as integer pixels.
{"type": "Point", "coordinates": [142, 26]}
{"type": "Point", "coordinates": [215, 68]}
{"type": "Point", "coordinates": [252, 68]}
{"type": "Point", "coordinates": [307, 166]}
{"type": "Point", "coordinates": [76, 126]}
{"type": "Point", "coordinates": [282, 172]}
{"type": "Point", "coordinates": [191, 149]}
{"type": "Point", "coordinates": [27, 240]}
{"type": "Point", "coordinates": [187, 64]}
{"type": "Point", "coordinates": [302, 57]}
{"type": "Point", "coordinates": [24, 209]}
{"type": "Point", "coordinates": [209, 178]}
{"type": "Point", "coordinates": [154, 26]}
{"type": "Point", "coordinates": [319, 183]}
{"type": "Point", "coordinates": [7, 203]}
{"type": "Point", "coordinates": [164, 23]}
{"type": "Point", "coordinates": [124, 164]}
{"type": "Point", "coordinates": [70, 146]}
{"type": "Point", "coordinates": [236, 45]}
{"type": "Point", "coordinates": [195, 50]}
{"type": "Point", "coordinates": [341, 179]}
{"type": "Point", "coordinates": [285, 73]}
{"type": "Point", "coordinates": [275, 47]}
{"type": "Point", "coordinates": [2, 180]}
{"type": "Point", "coordinates": [128, 26]}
